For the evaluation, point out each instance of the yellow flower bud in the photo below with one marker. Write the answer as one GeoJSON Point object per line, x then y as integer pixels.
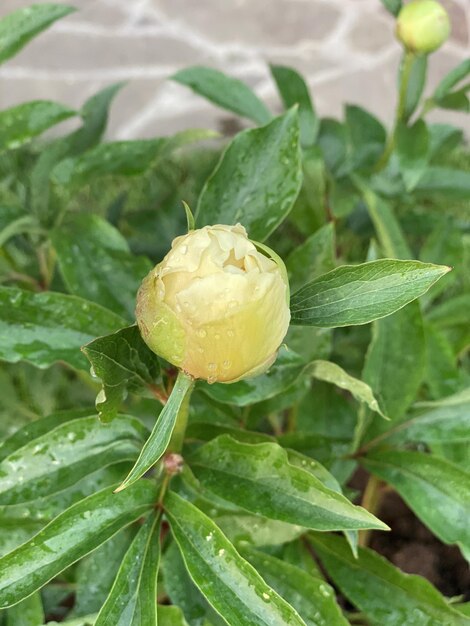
{"type": "Point", "coordinates": [216, 307]}
{"type": "Point", "coordinates": [423, 26]}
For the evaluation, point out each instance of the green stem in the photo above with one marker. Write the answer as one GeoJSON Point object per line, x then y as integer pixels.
{"type": "Point", "coordinates": [405, 75]}
{"type": "Point", "coordinates": [371, 502]}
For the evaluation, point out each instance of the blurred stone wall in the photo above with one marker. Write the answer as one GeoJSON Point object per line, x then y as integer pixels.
{"type": "Point", "coordinates": [345, 48]}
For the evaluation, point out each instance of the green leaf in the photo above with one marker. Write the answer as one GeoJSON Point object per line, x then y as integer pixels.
{"type": "Point", "coordinates": [412, 147]}
{"type": "Point", "coordinates": [332, 373]}
{"type": "Point", "coordinates": [257, 179]}
{"type": "Point", "coordinates": [224, 91]}
{"type": "Point", "coordinates": [436, 490]}
{"type": "Point", "coordinates": [333, 141]}
{"type": "Point", "coordinates": [29, 612]}
{"type": "Point", "coordinates": [416, 82]}
{"type": "Point", "coordinates": [449, 182]}
{"type": "Point", "coordinates": [58, 459]}
{"type": "Point", "coordinates": [442, 374]}
{"type": "Point", "coordinates": [132, 600]}
{"type": "Point", "coordinates": [357, 294]}
{"type": "Point", "coordinates": [461, 71]}
{"type": "Point", "coordinates": [123, 362]}
{"type": "Point", "coordinates": [385, 594]}
{"type": "Point", "coordinates": [124, 158]}
{"type": "Point", "coordinates": [366, 135]}
{"type": "Point", "coordinates": [96, 263]}
{"type": "Point", "coordinates": [260, 479]}
{"type": "Point", "coordinates": [159, 439]}
{"type": "Point", "coordinates": [444, 421]}
{"type": "Point", "coordinates": [393, 6]}
{"type": "Point", "coordinates": [284, 373]}
{"type": "Point", "coordinates": [395, 378]}
{"type": "Point", "coordinates": [170, 616]}
{"type": "Point", "coordinates": [69, 537]}
{"type": "Point", "coordinates": [231, 585]}
{"type": "Point", "coordinates": [33, 430]}
{"type": "Point", "coordinates": [94, 114]}
{"type": "Point", "coordinates": [181, 589]}
{"type": "Point", "coordinates": [452, 312]}
{"type": "Point", "coordinates": [310, 595]}
{"type": "Point", "coordinates": [315, 256]}
{"type": "Point", "coordinates": [95, 573]}
{"type": "Point", "coordinates": [293, 90]}
{"type": "Point", "coordinates": [21, 123]}
{"type": "Point", "coordinates": [46, 327]}
{"type": "Point", "coordinates": [19, 27]}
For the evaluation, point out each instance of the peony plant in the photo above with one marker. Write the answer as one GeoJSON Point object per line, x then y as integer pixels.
{"type": "Point", "coordinates": [252, 414]}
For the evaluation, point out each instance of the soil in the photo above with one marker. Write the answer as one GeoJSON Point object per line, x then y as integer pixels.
{"type": "Point", "coordinates": [414, 549]}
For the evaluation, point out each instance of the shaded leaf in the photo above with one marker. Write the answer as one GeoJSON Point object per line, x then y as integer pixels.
{"type": "Point", "coordinates": [257, 179]}
{"type": "Point", "coordinates": [96, 263]}
{"type": "Point", "coordinates": [315, 256]}
{"type": "Point", "coordinates": [311, 596]}
{"type": "Point", "coordinates": [436, 490]}
{"type": "Point", "coordinates": [385, 594]}
{"type": "Point", "coordinates": [412, 147]}
{"type": "Point", "coordinates": [29, 612]}
{"type": "Point", "coordinates": [132, 600]}
{"type": "Point", "coordinates": [123, 362]}
{"type": "Point", "coordinates": [449, 182]}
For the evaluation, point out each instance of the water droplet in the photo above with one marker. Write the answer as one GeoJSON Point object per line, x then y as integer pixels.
{"type": "Point", "coordinates": [71, 436]}
{"type": "Point", "coordinates": [201, 350]}
{"type": "Point", "coordinates": [176, 358]}
{"type": "Point", "coordinates": [217, 336]}
{"type": "Point", "coordinates": [201, 332]}
{"type": "Point", "coordinates": [324, 591]}
{"type": "Point", "coordinates": [221, 552]}
{"type": "Point", "coordinates": [266, 596]}
{"type": "Point", "coordinates": [87, 514]}
{"type": "Point", "coordinates": [212, 366]}
{"type": "Point", "coordinates": [304, 462]}
{"type": "Point", "coordinates": [183, 249]}
{"type": "Point", "coordinates": [230, 333]}
{"type": "Point", "coordinates": [227, 364]}
{"type": "Point", "coordinates": [212, 379]}
{"type": "Point", "coordinates": [209, 536]}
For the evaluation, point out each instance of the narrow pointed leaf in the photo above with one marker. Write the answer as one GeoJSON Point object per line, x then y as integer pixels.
{"type": "Point", "coordinates": [332, 373]}
{"type": "Point", "coordinates": [225, 91]}
{"type": "Point", "coordinates": [260, 479]}
{"type": "Point", "coordinates": [132, 600]}
{"type": "Point", "coordinates": [231, 585]}
{"type": "Point", "coordinates": [46, 327]}
{"type": "Point", "coordinates": [29, 612]}
{"type": "Point", "coordinates": [58, 459]}
{"type": "Point", "coordinates": [358, 294]}
{"type": "Point", "coordinates": [293, 91]}
{"type": "Point", "coordinates": [19, 27]}
{"type": "Point", "coordinates": [436, 490]}
{"type": "Point", "coordinates": [159, 439]}
{"type": "Point", "coordinates": [257, 179]}
{"type": "Point", "coordinates": [70, 536]}
{"type": "Point", "coordinates": [385, 594]}
{"type": "Point", "coordinates": [310, 595]}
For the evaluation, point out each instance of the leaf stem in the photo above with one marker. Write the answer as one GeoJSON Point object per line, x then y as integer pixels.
{"type": "Point", "coordinates": [371, 502]}
{"type": "Point", "coordinates": [179, 431]}
{"type": "Point", "coordinates": [400, 115]}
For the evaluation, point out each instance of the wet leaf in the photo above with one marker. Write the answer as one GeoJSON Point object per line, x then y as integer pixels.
{"type": "Point", "coordinates": [46, 327]}
{"type": "Point", "coordinates": [257, 179]}
{"type": "Point", "coordinates": [231, 584]}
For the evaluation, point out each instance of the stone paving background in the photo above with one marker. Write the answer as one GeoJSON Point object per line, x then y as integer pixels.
{"type": "Point", "coordinates": [345, 48]}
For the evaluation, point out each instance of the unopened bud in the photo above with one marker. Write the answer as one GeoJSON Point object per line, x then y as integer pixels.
{"type": "Point", "coordinates": [216, 307]}
{"type": "Point", "coordinates": [423, 26]}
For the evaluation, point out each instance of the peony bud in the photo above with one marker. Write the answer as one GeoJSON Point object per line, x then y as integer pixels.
{"type": "Point", "coordinates": [423, 26]}
{"type": "Point", "coordinates": [216, 307]}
